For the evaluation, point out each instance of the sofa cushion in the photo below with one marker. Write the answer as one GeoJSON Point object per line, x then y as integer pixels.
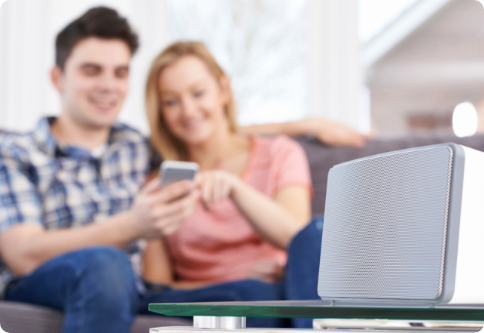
{"type": "Point", "coordinates": [25, 318]}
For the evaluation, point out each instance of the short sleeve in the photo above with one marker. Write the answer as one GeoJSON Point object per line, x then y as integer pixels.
{"type": "Point", "coordinates": [19, 201]}
{"type": "Point", "coordinates": [290, 163]}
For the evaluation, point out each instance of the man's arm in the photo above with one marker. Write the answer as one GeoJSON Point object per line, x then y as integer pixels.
{"type": "Point", "coordinates": [327, 132]}
{"type": "Point", "coordinates": [25, 246]}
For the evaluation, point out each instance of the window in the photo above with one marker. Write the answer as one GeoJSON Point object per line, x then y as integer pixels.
{"type": "Point", "coordinates": [259, 43]}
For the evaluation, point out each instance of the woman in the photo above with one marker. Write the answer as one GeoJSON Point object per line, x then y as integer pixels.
{"type": "Point", "coordinates": [255, 191]}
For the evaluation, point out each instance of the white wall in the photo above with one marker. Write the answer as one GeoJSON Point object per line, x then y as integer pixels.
{"type": "Point", "coordinates": [27, 34]}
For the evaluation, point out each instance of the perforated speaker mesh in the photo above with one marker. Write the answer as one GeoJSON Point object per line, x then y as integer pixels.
{"type": "Point", "coordinates": [385, 226]}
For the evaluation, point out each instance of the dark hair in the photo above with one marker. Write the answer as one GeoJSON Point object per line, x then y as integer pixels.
{"type": "Point", "coordinates": [101, 22]}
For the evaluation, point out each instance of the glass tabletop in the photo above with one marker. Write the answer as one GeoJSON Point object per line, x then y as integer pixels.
{"type": "Point", "coordinates": [322, 309]}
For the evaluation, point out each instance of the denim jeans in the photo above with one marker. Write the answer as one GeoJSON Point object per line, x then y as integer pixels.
{"type": "Point", "coordinates": [96, 287]}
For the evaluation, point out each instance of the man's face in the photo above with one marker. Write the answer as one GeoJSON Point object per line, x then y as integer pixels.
{"type": "Point", "coordinates": [94, 82]}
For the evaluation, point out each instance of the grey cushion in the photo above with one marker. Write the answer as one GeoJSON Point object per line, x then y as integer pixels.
{"type": "Point", "coordinates": [25, 318]}
{"type": "Point", "coordinates": [322, 158]}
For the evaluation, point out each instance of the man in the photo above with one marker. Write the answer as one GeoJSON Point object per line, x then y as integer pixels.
{"type": "Point", "coordinates": [78, 169]}
{"type": "Point", "coordinates": [71, 210]}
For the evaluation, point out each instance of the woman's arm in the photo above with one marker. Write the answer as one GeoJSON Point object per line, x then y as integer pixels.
{"type": "Point", "coordinates": [157, 267]}
{"type": "Point", "coordinates": [277, 220]}
{"type": "Point", "coordinates": [156, 263]}
{"type": "Point", "coordinates": [330, 133]}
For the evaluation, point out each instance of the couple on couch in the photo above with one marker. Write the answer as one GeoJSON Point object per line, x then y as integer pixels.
{"type": "Point", "coordinates": [84, 225]}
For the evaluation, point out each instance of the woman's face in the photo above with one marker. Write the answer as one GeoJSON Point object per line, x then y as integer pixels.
{"type": "Point", "coordinates": [192, 100]}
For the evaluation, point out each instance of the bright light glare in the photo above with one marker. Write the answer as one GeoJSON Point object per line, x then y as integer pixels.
{"type": "Point", "coordinates": [464, 120]}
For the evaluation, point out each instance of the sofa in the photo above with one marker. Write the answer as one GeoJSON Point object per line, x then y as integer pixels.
{"type": "Point", "coordinates": [24, 318]}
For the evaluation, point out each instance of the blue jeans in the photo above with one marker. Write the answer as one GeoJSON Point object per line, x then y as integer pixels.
{"type": "Point", "coordinates": [96, 287]}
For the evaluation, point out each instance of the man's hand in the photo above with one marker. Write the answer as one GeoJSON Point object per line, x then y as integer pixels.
{"type": "Point", "coordinates": [157, 212]}
{"type": "Point", "coordinates": [334, 134]}
{"type": "Point", "coordinates": [267, 271]}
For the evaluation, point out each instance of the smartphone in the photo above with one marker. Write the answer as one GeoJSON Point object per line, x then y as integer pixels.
{"type": "Point", "coordinates": [175, 171]}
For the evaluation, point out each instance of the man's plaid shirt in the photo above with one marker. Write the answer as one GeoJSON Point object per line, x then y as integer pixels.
{"type": "Point", "coordinates": [57, 187]}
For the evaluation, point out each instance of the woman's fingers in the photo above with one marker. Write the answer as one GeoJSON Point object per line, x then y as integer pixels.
{"type": "Point", "coordinates": [334, 134]}
{"type": "Point", "coordinates": [214, 185]}
{"type": "Point", "coordinates": [218, 190]}
{"type": "Point", "coordinates": [226, 189]}
{"type": "Point", "coordinates": [207, 190]}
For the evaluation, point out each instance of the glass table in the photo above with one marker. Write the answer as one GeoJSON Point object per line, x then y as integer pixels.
{"type": "Point", "coordinates": [231, 315]}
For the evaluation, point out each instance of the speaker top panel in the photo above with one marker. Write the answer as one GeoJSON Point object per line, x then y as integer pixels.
{"type": "Point", "coordinates": [385, 226]}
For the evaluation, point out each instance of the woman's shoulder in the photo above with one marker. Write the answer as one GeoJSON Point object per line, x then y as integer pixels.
{"type": "Point", "coordinates": [283, 160]}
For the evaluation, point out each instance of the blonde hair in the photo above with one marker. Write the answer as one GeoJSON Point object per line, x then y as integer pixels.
{"type": "Point", "coordinates": [170, 147]}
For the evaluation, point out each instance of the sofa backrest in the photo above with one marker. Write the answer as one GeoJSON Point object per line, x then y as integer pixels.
{"type": "Point", "coordinates": [322, 158]}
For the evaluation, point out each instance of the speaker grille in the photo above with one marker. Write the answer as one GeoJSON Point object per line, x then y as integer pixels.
{"type": "Point", "coordinates": [385, 226]}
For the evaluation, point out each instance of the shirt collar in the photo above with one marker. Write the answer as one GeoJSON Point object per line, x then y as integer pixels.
{"type": "Point", "coordinates": [43, 136]}
{"type": "Point", "coordinates": [48, 144]}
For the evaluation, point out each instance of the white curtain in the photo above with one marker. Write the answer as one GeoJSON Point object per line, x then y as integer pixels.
{"type": "Point", "coordinates": [28, 29]}
{"type": "Point", "coordinates": [335, 73]}
{"type": "Point", "coordinates": [27, 34]}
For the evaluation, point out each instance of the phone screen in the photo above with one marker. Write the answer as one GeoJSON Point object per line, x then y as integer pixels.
{"type": "Point", "coordinates": [175, 171]}
{"type": "Point", "coordinates": [170, 176]}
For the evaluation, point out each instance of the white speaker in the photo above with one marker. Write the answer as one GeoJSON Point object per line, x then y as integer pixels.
{"type": "Point", "coordinates": [405, 226]}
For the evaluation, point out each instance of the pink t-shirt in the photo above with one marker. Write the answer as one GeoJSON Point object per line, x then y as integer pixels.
{"type": "Point", "coordinates": [220, 244]}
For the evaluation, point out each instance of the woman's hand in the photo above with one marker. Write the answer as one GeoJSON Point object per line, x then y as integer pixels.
{"type": "Point", "coordinates": [327, 132]}
{"type": "Point", "coordinates": [215, 185]}
{"type": "Point", "coordinates": [333, 134]}
{"type": "Point", "coordinates": [269, 271]}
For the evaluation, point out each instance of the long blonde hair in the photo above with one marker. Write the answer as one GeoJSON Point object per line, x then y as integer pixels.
{"type": "Point", "coordinates": [170, 147]}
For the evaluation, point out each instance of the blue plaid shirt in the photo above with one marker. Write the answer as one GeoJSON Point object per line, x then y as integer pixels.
{"type": "Point", "coordinates": [58, 187]}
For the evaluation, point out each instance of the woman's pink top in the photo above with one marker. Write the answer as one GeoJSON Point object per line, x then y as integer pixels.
{"type": "Point", "coordinates": [220, 244]}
